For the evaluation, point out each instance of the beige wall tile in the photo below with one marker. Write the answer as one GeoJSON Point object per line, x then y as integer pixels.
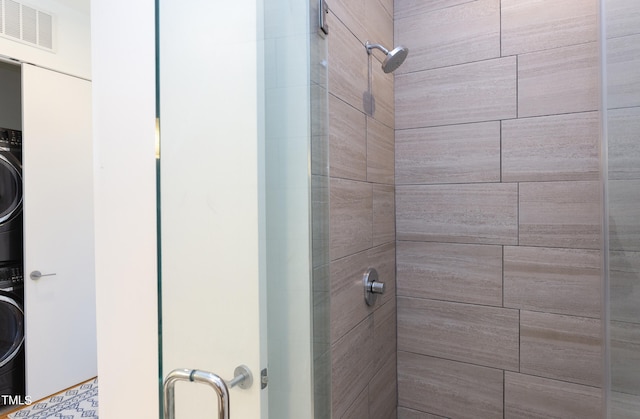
{"type": "Point", "coordinates": [625, 357]}
{"type": "Point", "coordinates": [622, 18]}
{"type": "Point", "coordinates": [367, 19]}
{"type": "Point", "coordinates": [384, 334]}
{"type": "Point", "coordinates": [455, 35]}
{"type": "Point", "coordinates": [561, 80]}
{"type": "Point", "coordinates": [559, 147]}
{"type": "Point", "coordinates": [380, 152]}
{"type": "Point", "coordinates": [560, 214]}
{"type": "Point", "coordinates": [348, 307]}
{"type": "Point", "coordinates": [359, 409]}
{"type": "Point", "coordinates": [464, 273]}
{"type": "Point", "coordinates": [351, 209]}
{"type": "Point", "coordinates": [623, 77]}
{"type": "Point", "coordinates": [463, 153]}
{"type": "Point", "coordinates": [383, 108]}
{"type": "Point", "coordinates": [623, 127]}
{"type": "Point", "coordinates": [383, 397]}
{"type": "Point", "coordinates": [347, 64]}
{"type": "Point", "coordinates": [404, 413]}
{"type": "Point", "coordinates": [624, 286]}
{"type": "Point", "coordinates": [535, 25]}
{"type": "Point", "coordinates": [528, 397]}
{"type": "Point", "coordinates": [624, 213]}
{"type": "Point", "coordinates": [384, 214]}
{"type": "Point", "coordinates": [476, 92]}
{"type": "Point", "coordinates": [624, 406]}
{"type": "Point", "coordinates": [448, 388]}
{"type": "Point", "coordinates": [463, 332]}
{"type": "Point", "coordinates": [406, 8]}
{"type": "Point", "coordinates": [473, 213]}
{"type": "Point", "coordinates": [565, 281]}
{"type": "Point", "coordinates": [351, 366]}
{"type": "Point", "coordinates": [561, 347]}
{"type": "Point", "coordinates": [347, 141]}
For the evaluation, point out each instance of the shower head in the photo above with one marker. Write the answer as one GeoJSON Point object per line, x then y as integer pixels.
{"type": "Point", "coordinates": [394, 58]}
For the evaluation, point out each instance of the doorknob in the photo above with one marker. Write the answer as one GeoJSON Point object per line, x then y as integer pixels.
{"type": "Point", "coordinates": [243, 379]}
{"type": "Point", "coordinates": [37, 275]}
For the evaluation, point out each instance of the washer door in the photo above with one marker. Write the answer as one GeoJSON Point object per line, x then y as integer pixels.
{"type": "Point", "coordinates": [10, 187]}
{"type": "Point", "coordinates": [11, 329]}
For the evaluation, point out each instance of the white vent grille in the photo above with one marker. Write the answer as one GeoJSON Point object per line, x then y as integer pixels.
{"type": "Point", "coordinates": [26, 24]}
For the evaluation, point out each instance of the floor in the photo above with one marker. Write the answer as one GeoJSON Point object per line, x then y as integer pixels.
{"type": "Point", "coordinates": [80, 401]}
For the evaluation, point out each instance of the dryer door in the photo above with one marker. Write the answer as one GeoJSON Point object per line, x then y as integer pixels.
{"type": "Point", "coordinates": [11, 328]}
{"type": "Point", "coordinates": [10, 187]}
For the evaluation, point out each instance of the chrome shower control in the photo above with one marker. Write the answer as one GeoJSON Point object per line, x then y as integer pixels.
{"type": "Point", "coordinates": [372, 287]}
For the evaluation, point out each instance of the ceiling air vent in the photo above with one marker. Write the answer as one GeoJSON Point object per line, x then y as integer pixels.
{"type": "Point", "coordinates": [26, 24]}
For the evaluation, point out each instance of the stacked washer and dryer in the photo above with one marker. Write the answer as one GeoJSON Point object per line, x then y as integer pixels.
{"type": "Point", "coordinates": [12, 380]}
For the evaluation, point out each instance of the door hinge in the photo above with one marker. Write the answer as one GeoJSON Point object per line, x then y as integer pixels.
{"type": "Point", "coordinates": [264, 379]}
{"type": "Point", "coordinates": [323, 12]}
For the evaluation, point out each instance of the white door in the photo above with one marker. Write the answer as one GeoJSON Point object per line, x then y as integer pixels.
{"type": "Point", "coordinates": [212, 202]}
{"type": "Point", "coordinates": [58, 233]}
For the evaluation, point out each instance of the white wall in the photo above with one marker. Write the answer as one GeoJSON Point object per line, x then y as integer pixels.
{"type": "Point", "coordinates": [124, 136]}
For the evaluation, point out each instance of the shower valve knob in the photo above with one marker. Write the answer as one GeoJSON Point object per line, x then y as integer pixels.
{"type": "Point", "coordinates": [372, 287]}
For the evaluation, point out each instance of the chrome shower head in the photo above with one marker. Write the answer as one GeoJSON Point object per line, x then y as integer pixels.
{"type": "Point", "coordinates": [394, 58]}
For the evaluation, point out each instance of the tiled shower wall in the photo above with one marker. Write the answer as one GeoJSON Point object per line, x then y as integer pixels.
{"type": "Point", "coordinates": [623, 103]}
{"type": "Point", "coordinates": [362, 217]}
{"type": "Point", "coordinates": [498, 209]}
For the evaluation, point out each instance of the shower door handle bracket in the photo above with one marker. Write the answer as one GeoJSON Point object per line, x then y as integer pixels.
{"type": "Point", "coordinates": [323, 12]}
{"type": "Point", "coordinates": [243, 379]}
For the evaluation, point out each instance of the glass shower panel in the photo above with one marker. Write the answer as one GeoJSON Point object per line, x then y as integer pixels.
{"type": "Point", "coordinates": [243, 167]}
{"type": "Point", "coordinates": [621, 53]}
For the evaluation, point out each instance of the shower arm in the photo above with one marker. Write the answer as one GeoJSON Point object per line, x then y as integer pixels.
{"type": "Point", "coordinates": [370, 46]}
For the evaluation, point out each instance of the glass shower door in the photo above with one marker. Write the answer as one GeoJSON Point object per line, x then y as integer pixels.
{"type": "Point", "coordinates": [240, 104]}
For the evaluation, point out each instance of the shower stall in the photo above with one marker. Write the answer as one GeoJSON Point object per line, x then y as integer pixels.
{"type": "Point", "coordinates": [620, 39]}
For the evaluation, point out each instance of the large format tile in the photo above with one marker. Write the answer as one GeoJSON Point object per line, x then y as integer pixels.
{"type": "Point", "coordinates": [623, 77]}
{"type": "Point", "coordinates": [535, 25]}
{"type": "Point", "coordinates": [622, 18]}
{"type": "Point", "coordinates": [561, 80]}
{"type": "Point", "coordinates": [473, 213]}
{"type": "Point", "coordinates": [351, 366]}
{"type": "Point", "coordinates": [624, 213]}
{"type": "Point", "coordinates": [351, 209]}
{"type": "Point", "coordinates": [384, 333]}
{"type": "Point", "coordinates": [624, 286]}
{"type": "Point", "coordinates": [475, 92]}
{"type": "Point", "coordinates": [463, 332]}
{"type": "Point", "coordinates": [347, 65]}
{"type": "Point", "coordinates": [625, 357]}
{"type": "Point", "coordinates": [561, 347]}
{"type": "Point", "coordinates": [404, 413]}
{"type": "Point", "coordinates": [461, 34]}
{"type": "Point", "coordinates": [464, 273]}
{"type": "Point", "coordinates": [359, 409]}
{"type": "Point", "coordinates": [380, 152]}
{"type": "Point", "coordinates": [383, 394]}
{"type": "Point", "coordinates": [624, 406]}
{"type": "Point", "coordinates": [623, 133]}
{"type": "Point", "coordinates": [560, 214]}
{"type": "Point", "coordinates": [406, 8]}
{"type": "Point", "coordinates": [528, 397]}
{"type": "Point", "coordinates": [347, 141]}
{"type": "Point", "coordinates": [559, 147]}
{"type": "Point", "coordinates": [367, 19]}
{"type": "Point", "coordinates": [463, 153]}
{"type": "Point", "coordinates": [448, 388]}
{"type": "Point", "coordinates": [348, 307]}
{"type": "Point", "coordinates": [384, 214]}
{"type": "Point", "coordinates": [382, 93]}
{"type": "Point", "coordinates": [565, 281]}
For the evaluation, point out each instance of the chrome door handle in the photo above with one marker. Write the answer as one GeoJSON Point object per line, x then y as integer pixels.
{"type": "Point", "coordinates": [242, 379]}
{"type": "Point", "coordinates": [37, 275]}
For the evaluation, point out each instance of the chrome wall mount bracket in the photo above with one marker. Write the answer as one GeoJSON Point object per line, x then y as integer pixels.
{"type": "Point", "coordinates": [372, 286]}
